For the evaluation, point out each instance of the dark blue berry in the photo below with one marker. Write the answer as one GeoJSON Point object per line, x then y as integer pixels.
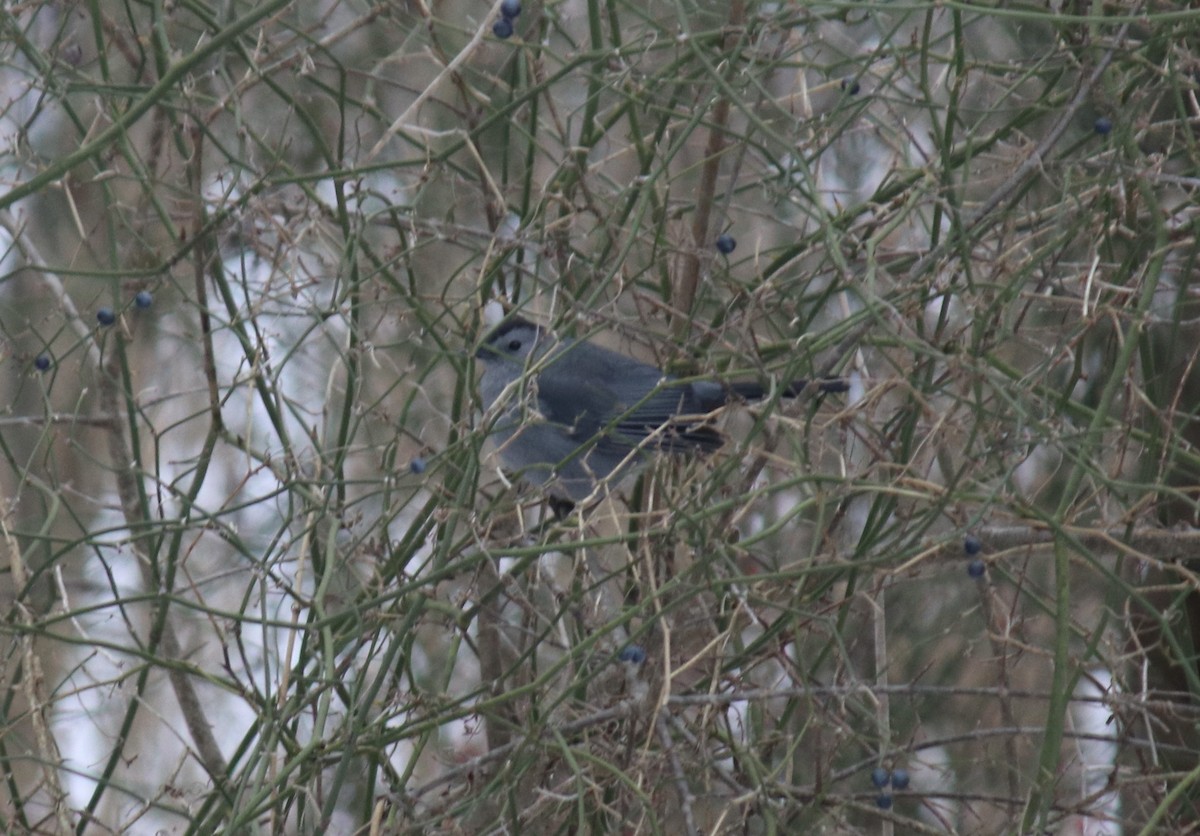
{"type": "Point", "coordinates": [105, 316]}
{"type": "Point", "coordinates": [972, 545]}
{"type": "Point", "coordinates": [1102, 125]}
{"type": "Point", "coordinates": [883, 801]}
{"type": "Point", "coordinates": [976, 568]}
{"type": "Point", "coordinates": [510, 8]}
{"type": "Point", "coordinates": [417, 465]}
{"type": "Point", "coordinates": [726, 243]}
{"type": "Point", "coordinates": [42, 362]}
{"type": "Point", "coordinates": [502, 28]}
{"type": "Point", "coordinates": [143, 300]}
{"type": "Point", "coordinates": [900, 779]}
{"type": "Point", "coordinates": [851, 86]}
{"type": "Point", "coordinates": [880, 777]}
{"type": "Point", "coordinates": [633, 653]}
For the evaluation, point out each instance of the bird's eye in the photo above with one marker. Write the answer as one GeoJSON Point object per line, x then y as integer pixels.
{"type": "Point", "coordinates": [514, 345]}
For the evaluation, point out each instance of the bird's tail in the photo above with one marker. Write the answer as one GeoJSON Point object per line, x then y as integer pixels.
{"type": "Point", "coordinates": [751, 390]}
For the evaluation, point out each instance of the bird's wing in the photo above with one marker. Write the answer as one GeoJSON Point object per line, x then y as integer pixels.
{"type": "Point", "coordinates": [674, 417]}
{"type": "Point", "coordinates": [583, 408]}
{"type": "Point", "coordinates": [666, 417]}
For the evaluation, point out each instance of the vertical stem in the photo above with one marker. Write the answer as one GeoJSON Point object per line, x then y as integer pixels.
{"type": "Point", "coordinates": [1062, 683]}
{"type": "Point", "coordinates": [689, 277]}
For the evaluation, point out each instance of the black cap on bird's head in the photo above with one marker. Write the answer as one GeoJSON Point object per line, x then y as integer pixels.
{"type": "Point", "coordinates": [493, 343]}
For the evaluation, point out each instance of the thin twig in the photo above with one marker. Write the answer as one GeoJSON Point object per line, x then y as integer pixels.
{"type": "Point", "coordinates": [1031, 163]}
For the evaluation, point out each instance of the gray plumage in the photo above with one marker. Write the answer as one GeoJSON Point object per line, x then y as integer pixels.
{"type": "Point", "coordinates": [577, 414]}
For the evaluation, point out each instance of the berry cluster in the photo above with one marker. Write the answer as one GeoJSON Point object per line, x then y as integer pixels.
{"type": "Point", "coordinates": [972, 546]}
{"type": "Point", "coordinates": [881, 777]}
{"type": "Point", "coordinates": [509, 10]}
{"type": "Point", "coordinates": [106, 316]}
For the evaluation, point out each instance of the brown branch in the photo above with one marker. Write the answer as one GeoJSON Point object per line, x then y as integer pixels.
{"type": "Point", "coordinates": [33, 682]}
{"type": "Point", "coordinates": [681, 784]}
{"type": "Point", "coordinates": [689, 278]}
{"type": "Point", "coordinates": [127, 490]}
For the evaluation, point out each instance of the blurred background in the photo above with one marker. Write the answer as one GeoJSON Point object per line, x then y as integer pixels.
{"type": "Point", "coordinates": [264, 574]}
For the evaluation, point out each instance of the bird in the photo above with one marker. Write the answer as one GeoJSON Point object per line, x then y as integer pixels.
{"type": "Point", "coordinates": [574, 416]}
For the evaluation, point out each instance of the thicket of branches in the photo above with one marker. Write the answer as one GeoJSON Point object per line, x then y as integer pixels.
{"type": "Point", "coordinates": [263, 574]}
